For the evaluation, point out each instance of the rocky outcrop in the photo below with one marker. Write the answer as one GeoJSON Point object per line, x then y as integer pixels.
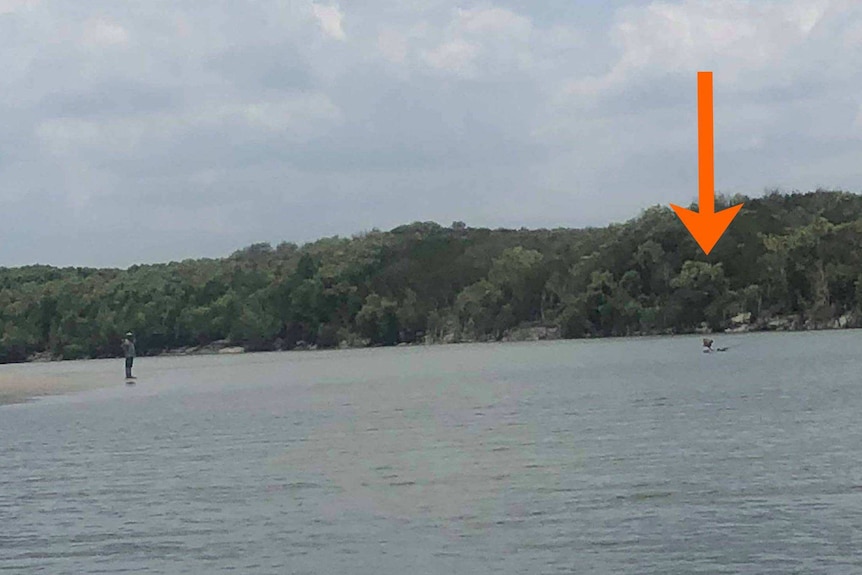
{"type": "Point", "coordinates": [742, 323]}
{"type": "Point", "coordinates": [41, 357]}
{"type": "Point", "coordinates": [231, 350]}
{"type": "Point", "coordinates": [221, 346]}
{"type": "Point", "coordinates": [536, 333]}
{"type": "Point", "coordinates": [845, 321]}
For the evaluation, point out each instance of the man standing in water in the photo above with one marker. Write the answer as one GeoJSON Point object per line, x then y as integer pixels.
{"type": "Point", "coordinates": [129, 351]}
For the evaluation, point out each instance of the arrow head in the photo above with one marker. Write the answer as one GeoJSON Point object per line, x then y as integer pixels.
{"type": "Point", "coordinates": [706, 228]}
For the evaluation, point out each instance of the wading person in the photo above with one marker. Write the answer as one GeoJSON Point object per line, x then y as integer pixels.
{"type": "Point", "coordinates": [129, 352]}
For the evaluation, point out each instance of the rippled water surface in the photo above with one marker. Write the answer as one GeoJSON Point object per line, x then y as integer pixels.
{"type": "Point", "coordinates": [611, 456]}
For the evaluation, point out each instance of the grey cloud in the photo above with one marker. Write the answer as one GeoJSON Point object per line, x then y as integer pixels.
{"type": "Point", "coordinates": [109, 98]}
{"type": "Point", "coordinates": [266, 67]}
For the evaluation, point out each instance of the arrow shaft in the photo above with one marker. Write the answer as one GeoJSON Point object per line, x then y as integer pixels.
{"type": "Point", "coordinates": [706, 225]}
{"type": "Point", "coordinates": [705, 144]}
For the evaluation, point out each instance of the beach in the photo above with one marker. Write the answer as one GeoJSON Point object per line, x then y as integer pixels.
{"type": "Point", "coordinates": [19, 384]}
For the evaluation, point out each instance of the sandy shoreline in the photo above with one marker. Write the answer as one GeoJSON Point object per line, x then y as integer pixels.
{"type": "Point", "coordinates": [18, 387]}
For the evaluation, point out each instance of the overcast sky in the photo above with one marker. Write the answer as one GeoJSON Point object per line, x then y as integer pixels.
{"type": "Point", "coordinates": [136, 132]}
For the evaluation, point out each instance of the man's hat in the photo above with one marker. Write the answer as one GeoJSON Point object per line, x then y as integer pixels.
{"type": "Point", "coordinates": [128, 333]}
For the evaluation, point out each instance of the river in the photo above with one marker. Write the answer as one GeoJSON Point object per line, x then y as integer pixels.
{"type": "Point", "coordinates": [633, 456]}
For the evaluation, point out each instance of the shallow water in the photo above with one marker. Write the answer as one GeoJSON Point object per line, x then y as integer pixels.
{"type": "Point", "coordinates": [608, 456]}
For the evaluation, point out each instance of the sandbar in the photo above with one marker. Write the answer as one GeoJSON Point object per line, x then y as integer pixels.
{"type": "Point", "coordinates": [19, 387]}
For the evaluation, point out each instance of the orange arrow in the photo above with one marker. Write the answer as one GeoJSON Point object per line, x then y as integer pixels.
{"type": "Point", "coordinates": [707, 226]}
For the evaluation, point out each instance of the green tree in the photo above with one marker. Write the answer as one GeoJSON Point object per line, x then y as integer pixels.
{"type": "Point", "coordinates": [378, 320]}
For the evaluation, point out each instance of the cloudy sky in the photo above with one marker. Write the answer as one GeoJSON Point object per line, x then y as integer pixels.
{"type": "Point", "coordinates": [159, 130]}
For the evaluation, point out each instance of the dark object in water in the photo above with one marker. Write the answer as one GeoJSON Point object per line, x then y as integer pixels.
{"type": "Point", "coordinates": [707, 346]}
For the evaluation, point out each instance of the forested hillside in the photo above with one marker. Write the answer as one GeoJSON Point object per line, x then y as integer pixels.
{"type": "Point", "coordinates": [792, 260]}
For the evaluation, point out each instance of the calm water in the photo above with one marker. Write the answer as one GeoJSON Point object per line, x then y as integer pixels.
{"type": "Point", "coordinates": [624, 456]}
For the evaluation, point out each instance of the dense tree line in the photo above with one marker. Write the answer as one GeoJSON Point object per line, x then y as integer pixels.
{"type": "Point", "coordinates": [796, 255]}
